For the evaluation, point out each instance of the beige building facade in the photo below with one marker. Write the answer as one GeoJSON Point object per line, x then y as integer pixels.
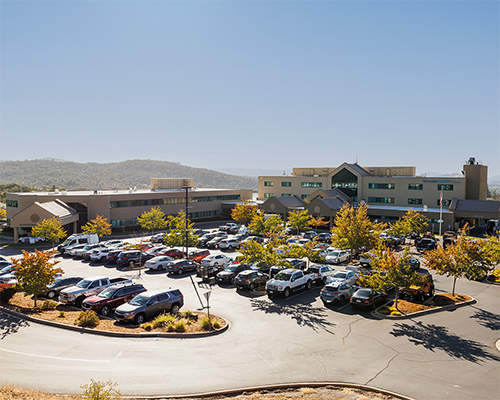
{"type": "Point", "coordinates": [122, 207]}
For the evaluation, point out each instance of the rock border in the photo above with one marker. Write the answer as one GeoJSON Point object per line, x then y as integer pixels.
{"type": "Point", "coordinates": [423, 312]}
{"type": "Point", "coordinates": [173, 335]}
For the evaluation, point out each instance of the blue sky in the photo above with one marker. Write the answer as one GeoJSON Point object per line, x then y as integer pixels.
{"type": "Point", "coordinates": [256, 84]}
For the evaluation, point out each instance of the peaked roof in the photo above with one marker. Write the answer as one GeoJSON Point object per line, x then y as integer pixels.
{"type": "Point", "coordinates": [333, 203]}
{"type": "Point", "coordinates": [475, 206]}
{"type": "Point", "coordinates": [291, 201]}
{"type": "Point", "coordinates": [359, 169]}
{"type": "Point", "coordinates": [57, 208]}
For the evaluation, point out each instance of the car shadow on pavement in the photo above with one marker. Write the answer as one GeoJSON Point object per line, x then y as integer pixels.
{"type": "Point", "coordinates": [434, 337]}
{"type": "Point", "coordinates": [487, 319]}
{"type": "Point", "coordinates": [303, 313]}
{"type": "Point", "coordinates": [10, 324]}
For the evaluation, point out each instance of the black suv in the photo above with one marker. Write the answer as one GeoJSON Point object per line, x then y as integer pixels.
{"type": "Point", "coordinates": [250, 279]}
{"type": "Point", "coordinates": [426, 244]}
{"type": "Point", "coordinates": [52, 290]}
{"type": "Point", "coordinates": [228, 275]}
{"type": "Point", "coordinates": [133, 257]}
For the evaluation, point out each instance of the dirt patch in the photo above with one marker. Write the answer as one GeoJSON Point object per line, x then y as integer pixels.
{"type": "Point", "coordinates": [408, 307]}
{"type": "Point", "coordinates": [26, 305]}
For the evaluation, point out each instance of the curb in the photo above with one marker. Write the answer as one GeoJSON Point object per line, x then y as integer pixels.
{"type": "Point", "coordinates": [333, 385]}
{"type": "Point", "coordinates": [423, 312]}
{"type": "Point", "coordinates": [172, 335]}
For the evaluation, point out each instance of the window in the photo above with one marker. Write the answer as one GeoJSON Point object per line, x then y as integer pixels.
{"type": "Point", "coordinates": [311, 184]}
{"type": "Point", "coordinates": [268, 183]}
{"type": "Point", "coordinates": [414, 201]}
{"type": "Point", "coordinates": [11, 203]}
{"type": "Point", "coordinates": [203, 214]}
{"type": "Point", "coordinates": [286, 184]}
{"type": "Point", "coordinates": [172, 200]}
{"type": "Point", "coordinates": [380, 199]}
{"type": "Point", "coordinates": [381, 186]}
{"type": "Point", "coordinates": [445, 187]}
{"type": "Point", "coordinates": [303, 196]}
{"type": "Point", "coordinates": [286, 194]}
{"type": "Point", "coordinates": [446, 202]}
{"type": "Point", "coordinates": [268, 195]}
{"type": "Point", "coordinates": [415, 186]}
{"type": "Point", "coordinates": [347, 182]}
{"type": "Point", "coordinates": [124, 222]}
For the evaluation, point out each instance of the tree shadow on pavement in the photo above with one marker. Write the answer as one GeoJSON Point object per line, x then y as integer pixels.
{"type": "Point", "coordinates": [487, 319]}
{"type": "Point", "coordinates": [303, 314]}
{"type": "Point", "coordinates": [433, 337]}
{"type": "Point", "coordinates": [10, 324]}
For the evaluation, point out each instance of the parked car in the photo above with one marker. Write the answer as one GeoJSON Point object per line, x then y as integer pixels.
{"type": "Point", "coordinates": [157, 238]}
{"type": "Point", "coordinates": [419, 292]}
{"type": "Point", "coordinates": [414, 264]}
{"type": "Point", "coordinates": [324, 237]}
{"type": "Point", "coordinates": [133, 257]}
{"type": "Point", "coordinates": [87, 250]}
{"type": "Point", "coordinates": [288, 281]}
{"type": "Point", "coordinates": [257, 239]}
{"type": "Point", "coordinates": [71, 251]}
{"type": "Point", "coordinates": [310, 235]}
{"type": "Point", "coordinates": [336, 256]}
{"type": "Point", "coordinates": [202, 242]}
{"type": "Point", "coordinates": [100, 254]}
{"type": "Point", "coordinates": [342, 277]}
{"type": "Point", "coordinates": [88, 287]}
{"type": "Point", "coordinates": [229, 227]}
{"type": "Point", "coordinates": [181, 266]}
{"type": "Point", "coordinates": [174, 253]}
{"type": "Point", "coordinates": [159, 262]}
{"type": "Point", "coordinates": [52, 291]}
{"type": "Point", "coordinates": [250, 279]}
{"type": "Point", "coordinates": [320, 273]}
{"type": "Point", "coordinates": [112, 255]}
{"type": "Point", "coordinates": [216, 259]}
{"type": "Point", "coordinates": [198, 255]}
{"type": "Point", "coordinates": [7, 269]}
{"type": "Point", "coordinates": [111, 298]}
{"type": "Point", "coordinates": [426, 244]}
{"type": "Point", "coordinates": [77, 239]}
{"type": "Point", "coordinates": [337, 292]}
{"type": "Point", "coordinates": [365, 259]}
{"type": "Point", "coordinates": [368, 298]}
{"type": "Point", "coordinates": [291, 231]}
{"type": "Point", "coordinates": [149, 304]}
{"type": "Point", "coordinates": [230, 273]}
{"type": "Point", "coordinates": [229, 244]}
{"type": "Point", "coordinates": [214, 243]}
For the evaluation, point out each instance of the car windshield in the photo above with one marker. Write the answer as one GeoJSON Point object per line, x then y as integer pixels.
{"type": "Point", "coordinates": [107, 293]}
{"type": "Point", "coordinates": [139, 301]}
{"type": "Point", "coordinates": [6, 269]}
{"type": "Point", "coordinates": [334, 253]}
{"type": "Point", "coordinates": [54, 284]}
{"type": "Point", "coordinates": [313, 269]}
{"type": "Point", "coordinates": [341, 275]}
{"type": "Point", "coordinates": [363, 293]}
{"type": "Point", "coordinates": [83, 283]}
{"type": "Point", "coordinates": [231, 269]}
{"type": "Point", "coordinates": [282, 276]}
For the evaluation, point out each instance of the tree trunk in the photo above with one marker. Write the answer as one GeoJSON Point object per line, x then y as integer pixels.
{"type": "Point", "coordinates": [453, 291]}
{"type": "Point", "coordinates": [396, 300]}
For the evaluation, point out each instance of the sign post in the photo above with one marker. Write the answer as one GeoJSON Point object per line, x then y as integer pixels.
{"type": "Point", "coordinates": [207, 296]}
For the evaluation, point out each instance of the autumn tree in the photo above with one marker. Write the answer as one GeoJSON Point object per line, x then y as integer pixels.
{"type": "Point", "coordinates": [260, 255]}
{"type": "Point", "coordinates": [152, 220]}
{"type": "Point", "coordinates": [353, 229]}
{"type": "Point", "coordinates": [244, 212]}
{"type": "Point", "coordinates": [269, 226]}
{"type": "Point", "coordinates": [393, 271]}
{"type": "Point", "coordinates": [49, 229]}
{"type": "Point", "coordinates": [3, 212]}
{"type": "Point", "coordinates": [298, 219]}
{"type": "Point", "coordinates": [464, 258]}
{"type": "Point", "coordinates": [176, 236]}
{"type": "Point", "coordinates": [99, 226]}
{"type": "Point", "coordinates": [35, 271]}
{"type": "Point", "coordinates": [317, 223]}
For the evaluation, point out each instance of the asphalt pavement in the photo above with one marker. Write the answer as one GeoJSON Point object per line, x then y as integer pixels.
{"type": "Point", "coordinates": [446, 355]}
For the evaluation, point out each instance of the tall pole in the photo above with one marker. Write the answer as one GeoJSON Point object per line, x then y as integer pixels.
{"type": "Point", "coordinates": [186, 227]}
{"type": "Point", "coordinates": [440, 211]}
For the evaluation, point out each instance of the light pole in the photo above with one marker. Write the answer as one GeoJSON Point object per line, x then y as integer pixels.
{"type": "Point", "coordinates": [186, 227]}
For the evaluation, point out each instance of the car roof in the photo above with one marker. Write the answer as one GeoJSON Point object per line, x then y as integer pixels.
{"type": "Point", "coordinates": [151, 293]}
{"type": "Point", "coordinates": [94, 278]}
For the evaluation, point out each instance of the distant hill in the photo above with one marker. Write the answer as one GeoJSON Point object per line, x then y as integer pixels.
{"type": "Point", "coordinates": [132, 173]}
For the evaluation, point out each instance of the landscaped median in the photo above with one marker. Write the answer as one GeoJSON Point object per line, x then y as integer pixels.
{"type": "Point", "coordinates": [439, 302]}
{"type": "Point", "coordinates": [184, 325]}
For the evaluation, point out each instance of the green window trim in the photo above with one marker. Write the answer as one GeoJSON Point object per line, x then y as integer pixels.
{"type": "Point", "coordinates": [311, 184]}
{"type": "Point", "coordinates": [415, 186]}
{"type": "Point", "coordinates": [286, 184]}
{"type": "Point", "coordinates": [268, 183]}
{"type": "Point", "coordinates": [381, 186]}
{"type": "Point", "coordinates": [268, 195]}
{"type": "Point", "coordinates": [445, 187]}
{"type": "Point", "coordinates": [12, 203]}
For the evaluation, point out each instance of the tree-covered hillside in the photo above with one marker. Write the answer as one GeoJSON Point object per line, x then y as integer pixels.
{"type": "Point", "coordinates": [122, 175]}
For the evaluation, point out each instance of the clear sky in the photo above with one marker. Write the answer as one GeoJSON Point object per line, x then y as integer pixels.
{"type": "Point", "coordinates": [252, 84]}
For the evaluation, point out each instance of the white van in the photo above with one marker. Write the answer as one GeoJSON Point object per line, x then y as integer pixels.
{"type": "Point", "coordinates": [76, 239]}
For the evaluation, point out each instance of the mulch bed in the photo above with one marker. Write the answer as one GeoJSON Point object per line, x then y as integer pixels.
{"type": "Point", "coordinates": [439, 300]}
{"type": "Point", "coordinates": [26, 305]}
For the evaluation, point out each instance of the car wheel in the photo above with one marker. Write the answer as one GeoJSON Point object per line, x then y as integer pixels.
{"type": "Point", "coordinates": [78, 302]}
{"type": "Point", "coordinates": [287, 293]}
{"type": "Point", "coordinates": [252, 286]}
{"type": "Point", "coordinates": [51, 294]}
{"type": "Point", "coordinates": [179, 272]}
{"type": "Point", "coordinates": [431, 291]}
{"type": "Point", "coordinates": [421, 297]}
{"type": "Point", "coordinates": [106, 310]}
{"type": "Point", "coordinates": [324, 280]}
{"type": "Point", "coordinates": [309, 285]}
{"type": "Point", "coordinates": [161, 267]}
{"type": "Point", "coordinates": [139, 319]}
{"type": "Point", "coordinates": [175, 309]}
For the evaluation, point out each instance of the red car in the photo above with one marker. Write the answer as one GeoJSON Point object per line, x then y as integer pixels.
{"type": "Point", "coordinates": [111, 298]}
{"type": "Point", "coordinates": [174, 253]}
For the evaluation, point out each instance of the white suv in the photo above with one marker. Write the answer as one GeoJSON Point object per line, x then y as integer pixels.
{"type": "Point", "coordinates": [100, 254]}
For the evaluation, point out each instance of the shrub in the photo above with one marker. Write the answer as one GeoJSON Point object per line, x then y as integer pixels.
{"type": "Point", "coordinates": [62, 314]}
{"type": "Point", "coordinates": [384, 310]}
{"type": "Point", "coordinates": [49, 305]}
{"type": "Point", "coordinates": [97, 390]}
{"type": "Point", "coordinates": [180, 326]}
{"type": "Point", "coordinates": [87, 319]}
{"type": "Point", "coordinates": [216, 324]}
{"type": "Point", "coordinates": [163, 321]}
{"type": "Point", "coordinates": [6, 292]}
{"type": "Point", "coordinates": [189, 315]}
{"type": "Point", "coordinates": [205, 324]}
{"type": "Point", "coordinates": [147, 326]}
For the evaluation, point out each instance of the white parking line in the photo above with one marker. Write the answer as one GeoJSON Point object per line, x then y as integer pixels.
{"type": "Point", "coordinates": [56, 358]}
{"type": "Point", "coordinates": [344, 306]}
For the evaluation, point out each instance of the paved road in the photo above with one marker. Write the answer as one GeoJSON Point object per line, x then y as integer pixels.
{"type": "Point", "coordinates": [448, 355]}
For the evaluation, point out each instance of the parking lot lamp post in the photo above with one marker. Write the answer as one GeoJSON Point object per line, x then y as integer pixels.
{"type": "Point", "coordinates": [186, 227]}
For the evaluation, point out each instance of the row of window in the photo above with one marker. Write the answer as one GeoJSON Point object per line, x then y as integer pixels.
{"type": "Point", "coordinates": [203, 214]}
{"type": "Point", "coordinates": [302, 184]}
{"type": "Point", "coordinates": [124, 222]}
{"type": "Point", "coordinates": [390, 200]}
{"type": "Point", "coordinates": [172, 200]}
{"type": "Point", "coordinates": [411, 186]}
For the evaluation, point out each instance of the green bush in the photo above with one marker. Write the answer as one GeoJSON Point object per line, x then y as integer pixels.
{"type": "Point", "coordinates": [180, 326]}
{"type": "Point", "coordinates": [147, 326]}
{"type": "Point", "coordinates": [62, 314]}
{"type": "Point", "coordinates": [216, 324]}
{"type": "Point", "coordinates": [189, 315]}
{"type": "Point", "coordinates": [205, 324]}
{"type": "Point", "coordinates": [87, 319]}
{"type": "Point", "coordinates": [49, 305]}
{"type": "Point", "coordinates": [97, 390]}
{"type": "Point", "coordinates": [163, 321]}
